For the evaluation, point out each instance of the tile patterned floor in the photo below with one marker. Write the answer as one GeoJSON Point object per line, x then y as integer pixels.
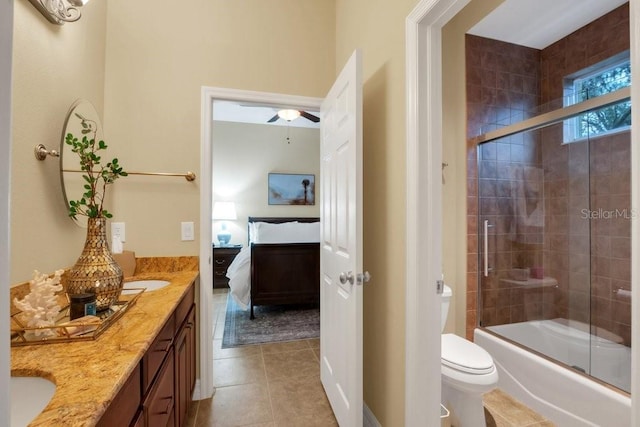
{"type": "Point", "coordinates": [278, 385]}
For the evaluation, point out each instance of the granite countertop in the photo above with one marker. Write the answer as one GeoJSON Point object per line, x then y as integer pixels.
{"type": "Point", "coordinates": [89, 374]}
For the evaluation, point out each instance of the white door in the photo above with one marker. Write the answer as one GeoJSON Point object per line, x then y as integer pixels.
{"type": "Point", "coordinates": [341, 244]}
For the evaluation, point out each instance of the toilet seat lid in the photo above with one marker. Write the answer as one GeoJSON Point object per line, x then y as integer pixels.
{"type": "Point", "coordinates": [462, 355]}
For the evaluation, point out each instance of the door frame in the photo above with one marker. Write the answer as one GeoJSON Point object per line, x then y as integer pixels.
{"type": "Point", "coordinates": [634, 22]}
{"type": "Point", "coordinates": [204, 387]}
{"type": "Point", "coordinates": [424, 206]}
{"type": "Point", "coordinates": [6, 47]}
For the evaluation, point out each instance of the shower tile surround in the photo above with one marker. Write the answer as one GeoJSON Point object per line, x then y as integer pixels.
{"type": "Point", "coordinates": [507, 83]}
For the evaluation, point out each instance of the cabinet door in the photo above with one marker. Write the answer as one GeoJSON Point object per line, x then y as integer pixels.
{"type": "Point", "coordinates": [185, 367]}
{"type": "Point", "coordinates": [182, 376]}
{"type": "Point", "coordinates": [159, 405]}
{"type": "Point", "coordinates": [124, 406]}
{"type": "Point", "coordinates": [191, 348]}
{"type": "Point", "coordinates": [139, 420]}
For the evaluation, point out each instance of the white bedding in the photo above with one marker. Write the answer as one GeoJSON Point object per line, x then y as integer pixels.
{"type": "Point", "coordinates": [239, 272]}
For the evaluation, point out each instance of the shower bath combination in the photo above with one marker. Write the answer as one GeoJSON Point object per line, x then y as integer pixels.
{"type": "Point", "coordinates": [554, 237]}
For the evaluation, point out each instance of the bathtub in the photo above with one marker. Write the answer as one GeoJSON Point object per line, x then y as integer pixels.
{"type": "Point", "coordinates": [563, 396]}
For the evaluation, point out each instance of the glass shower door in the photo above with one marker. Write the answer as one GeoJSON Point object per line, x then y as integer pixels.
{"type": "Point", "coordinates": [554, 239]}
{"type": "Point", "coordinates": [511, 223]}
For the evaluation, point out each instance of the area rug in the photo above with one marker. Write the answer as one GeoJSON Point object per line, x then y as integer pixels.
{"type": "Point", "coordinates": [272, 323]}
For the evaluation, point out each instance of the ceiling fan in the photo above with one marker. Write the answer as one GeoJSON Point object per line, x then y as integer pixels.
{"type": "Point", "coordinates": [289, 115]}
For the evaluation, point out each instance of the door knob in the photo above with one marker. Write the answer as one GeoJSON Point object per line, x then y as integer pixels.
{"type": "Point", "coordinates": [360, 277]}
{"type": "Point", "coordinates": [346, 277]}
{"type": "Point", "coordinates": [363, 277]}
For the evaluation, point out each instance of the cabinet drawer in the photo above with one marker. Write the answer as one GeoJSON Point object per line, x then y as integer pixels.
{"type": "Point", "coordinates": [159, 349]}
{"type": "Point", "coordinates": [159, 405]}
{"type": "Point", "coordinates": [223, 257]}
{"type": "Point", "coordinates": [183, 308]}
{"type": "Point", "coordinates": [222, 261]}
{"type": "Point", "coordinates": [220, 273]}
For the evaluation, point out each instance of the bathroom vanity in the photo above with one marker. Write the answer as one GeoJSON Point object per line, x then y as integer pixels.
{"type": "Point", "coordinates": [141, 371]}
{"type": "Point", "coordinates": [158, 392]}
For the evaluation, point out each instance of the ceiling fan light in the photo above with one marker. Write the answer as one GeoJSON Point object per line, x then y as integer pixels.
{"type": "Point", "coordinates": [288, 115]}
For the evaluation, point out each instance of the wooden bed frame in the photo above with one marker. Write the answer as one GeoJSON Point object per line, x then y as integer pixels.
{"type": "Point", "coordinates": [284, 273]}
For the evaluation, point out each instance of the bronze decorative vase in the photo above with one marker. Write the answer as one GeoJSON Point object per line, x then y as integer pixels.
{"type": "Point", "coordinates": [96, 271]}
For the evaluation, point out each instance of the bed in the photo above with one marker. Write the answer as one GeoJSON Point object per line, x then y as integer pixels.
{"type": "Point", "coordinates": [281, 264]}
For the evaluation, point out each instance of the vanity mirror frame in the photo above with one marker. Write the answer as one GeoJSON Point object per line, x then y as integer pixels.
{"type": "Point", "coordinates": [81, 110]}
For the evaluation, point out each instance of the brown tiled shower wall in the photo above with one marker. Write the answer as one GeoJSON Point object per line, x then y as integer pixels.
{"type": "Point", "coordinates": [590, 259]}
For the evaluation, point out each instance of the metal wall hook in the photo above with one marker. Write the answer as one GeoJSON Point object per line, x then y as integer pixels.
{"type": "Point", "coordinates": [41, 152]}
{"type": "Point", "coordinates": [444, 165]}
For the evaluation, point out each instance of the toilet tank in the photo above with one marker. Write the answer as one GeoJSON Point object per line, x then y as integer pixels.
{"type": "Point", "coordinates": [444, 311]}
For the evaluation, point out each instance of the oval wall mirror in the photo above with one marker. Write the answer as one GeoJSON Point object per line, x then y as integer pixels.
{"type": "Point", "coordinates": [81, 116]}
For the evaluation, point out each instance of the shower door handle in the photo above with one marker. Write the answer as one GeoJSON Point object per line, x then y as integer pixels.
{"type": "Point", "coordinates": [486, 267]}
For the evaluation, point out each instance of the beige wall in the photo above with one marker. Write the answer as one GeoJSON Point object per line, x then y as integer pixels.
{"type": "Point", "coordinates": [454, 190]}
{"type": "Point", "coordinates": [158, 58]}
{"type": "Point", "coordinates": [378, 28]}
{"type": "Point", "coordinates": [244, 155]}
{"type": "Point", "coordinates": [52, 67]}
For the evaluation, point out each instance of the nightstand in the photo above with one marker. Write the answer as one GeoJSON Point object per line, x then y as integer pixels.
{"type": "Point", "coordinates": [222, 258]}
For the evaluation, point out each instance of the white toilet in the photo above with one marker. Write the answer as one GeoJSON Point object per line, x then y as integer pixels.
{"type": "Point", "coordinates": [467, 373]}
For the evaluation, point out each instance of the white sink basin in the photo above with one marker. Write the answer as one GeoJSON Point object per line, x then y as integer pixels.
{"type": "Point", "coordinates": [150, 285]}
{"type": "Point", "coordinates": [29, 396]}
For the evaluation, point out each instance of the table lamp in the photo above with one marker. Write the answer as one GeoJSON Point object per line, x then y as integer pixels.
{"type": "Point", "coordinates": [224, 211]}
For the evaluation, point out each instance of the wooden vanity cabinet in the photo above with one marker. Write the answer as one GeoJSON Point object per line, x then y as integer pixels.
{"type": "Point", "coordinates": [158, 393]}
{"type": "Point", "coordinates": [157, 353]}
{"type": "Point", "coordinates": [159, 405]}
{"type": "Point", "coordinates": [126, 404]}
{"type": "Point", "coordinates": [185, 354]}
{"type": "Point", "coordinates": [158, 378]}
{"type": "Point", "coordinates": [139, 420]}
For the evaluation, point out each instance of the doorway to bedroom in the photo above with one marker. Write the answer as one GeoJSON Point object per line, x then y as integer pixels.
{"type": "Point", "coordinates": [246, 150]}
{"type": "Point", "coordinates": [265, 221]}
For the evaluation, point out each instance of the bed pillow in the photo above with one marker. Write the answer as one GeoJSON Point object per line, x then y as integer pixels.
{"type": "Point", "coordinates": [253, 235]}
{"type": "Point", "coordinates": [288, 232]}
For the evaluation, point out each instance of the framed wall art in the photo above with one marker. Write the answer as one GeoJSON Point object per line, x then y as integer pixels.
{"type": "Point", "coordinates": [292, 189]}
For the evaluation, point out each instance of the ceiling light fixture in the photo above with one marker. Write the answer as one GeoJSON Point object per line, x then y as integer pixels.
{"type": "Point", "coordinates": [59, 11]}
{"type": "Point", "coordinates": [288, 115]}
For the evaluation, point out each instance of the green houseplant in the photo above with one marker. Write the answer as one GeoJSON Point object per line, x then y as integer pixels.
{"type": "Point", "coordinates": [95, 271]}
{"type": "Point", "coordinates": [96, 175]}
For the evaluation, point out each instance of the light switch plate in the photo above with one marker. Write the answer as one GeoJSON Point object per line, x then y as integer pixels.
{"type": "Point", "coordinates": [117, 229]}
{"type": "Point", "coordinates": [187, 232]}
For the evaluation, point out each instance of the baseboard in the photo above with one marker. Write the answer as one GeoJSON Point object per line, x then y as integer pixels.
{"type": "Point", "coordinates": [196, 391]}
{"type": "Point", "coordinates": [368, 419]}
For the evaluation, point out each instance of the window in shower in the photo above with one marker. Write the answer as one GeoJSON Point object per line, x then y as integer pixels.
{"type": "Point", "coordinates": [600, 79]}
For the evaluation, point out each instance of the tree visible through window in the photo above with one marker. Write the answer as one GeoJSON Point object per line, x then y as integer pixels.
{"type": "Point", "coordinates": [606, 79]}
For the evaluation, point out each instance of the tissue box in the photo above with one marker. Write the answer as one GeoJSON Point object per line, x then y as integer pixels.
{"type": "Point", "coordinates": [127, 262]}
